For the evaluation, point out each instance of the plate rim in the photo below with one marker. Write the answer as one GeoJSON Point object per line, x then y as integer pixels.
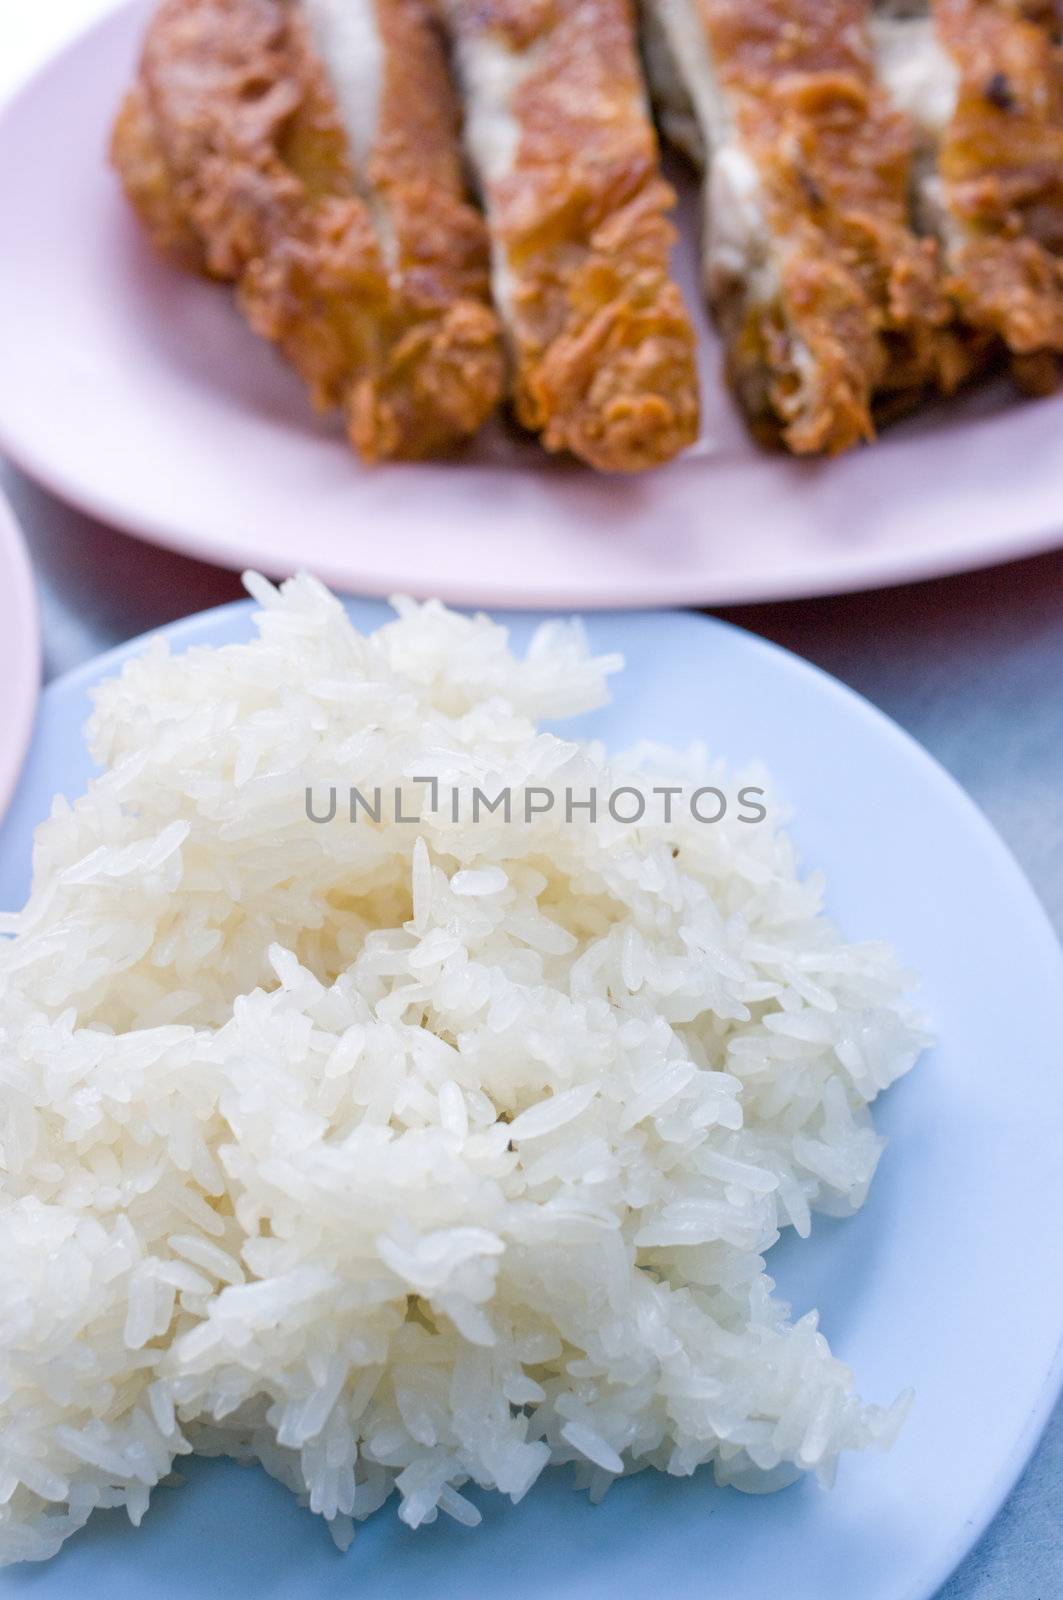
{"type": "Point", "coordinates": [27, 654]}
{"type": "Point", "coordinates": [197, 629]}
{"type": "Point", "coordinates": [821, 575]}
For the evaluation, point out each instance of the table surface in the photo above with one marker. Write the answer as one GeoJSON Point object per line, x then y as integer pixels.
{"type": "Point", "coordinates": [972, 666]}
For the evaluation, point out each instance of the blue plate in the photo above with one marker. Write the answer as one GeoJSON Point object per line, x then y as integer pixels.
{"type": "Point", "coordinates": [950, 1279]}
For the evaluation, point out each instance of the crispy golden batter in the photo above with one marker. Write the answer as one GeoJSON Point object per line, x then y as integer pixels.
{"type": "Point", "coordinates": [149, 184]}
{"type": "Point", "coordinates": [856, 320]}
{"type": "Point", "coordinates": [602, 343]}
{"type": "Point", "coordinates": [232, 148]}
{"type": "Point", "coordinates": [1001, 168]}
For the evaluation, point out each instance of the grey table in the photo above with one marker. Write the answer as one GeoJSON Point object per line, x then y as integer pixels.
{"type": "Point", "coordinates": [972, 666]}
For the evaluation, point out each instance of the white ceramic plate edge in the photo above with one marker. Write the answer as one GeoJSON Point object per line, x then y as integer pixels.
{"type": "Point", "coordinates": [20, 653]}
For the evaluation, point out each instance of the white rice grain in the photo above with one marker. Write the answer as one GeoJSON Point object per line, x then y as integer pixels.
{"type": "Point", "coordinates": [402, 1156]}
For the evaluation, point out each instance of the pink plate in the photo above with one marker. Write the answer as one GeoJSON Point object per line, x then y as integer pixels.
{"type": "Point", "coordinates": [20, 653]}
{"type": "Point", "coordinates": [139, 395]}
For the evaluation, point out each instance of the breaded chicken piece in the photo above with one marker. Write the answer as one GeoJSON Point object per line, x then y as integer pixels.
{"type": "Point", "coordinates": [310, 154]}
{"type": "Point", "coordinates": [561, 140]}
{"type": "Point", "coordinates": [829, 305]}
{"type": "Point", "coordinates": [988, 98]}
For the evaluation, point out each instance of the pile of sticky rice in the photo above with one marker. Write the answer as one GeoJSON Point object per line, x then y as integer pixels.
{"type": "Point", "coordinates": [403, 1157]}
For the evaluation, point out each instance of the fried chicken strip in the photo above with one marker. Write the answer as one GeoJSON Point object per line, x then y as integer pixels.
{"type": "Point", "coordinates": [310, 154]}
{"type": "Point", "coordinates": [566, 156]}
{"type": "Point", "coordinates": [984, 81]}
{"type": "Point", "coordinates": [829, 305]}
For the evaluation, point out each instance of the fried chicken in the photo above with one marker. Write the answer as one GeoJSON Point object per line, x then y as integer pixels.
{"type": "Point", "coordinates": [883, 205]}
{"type": "Point", "coordinates": [830, 307]}
{"type": "Point", "coordinates": [310, 154]}
{"type": "Point", "coordinates": [989, 102]}
{"type": "Point", "coordinates": [561, 140]}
